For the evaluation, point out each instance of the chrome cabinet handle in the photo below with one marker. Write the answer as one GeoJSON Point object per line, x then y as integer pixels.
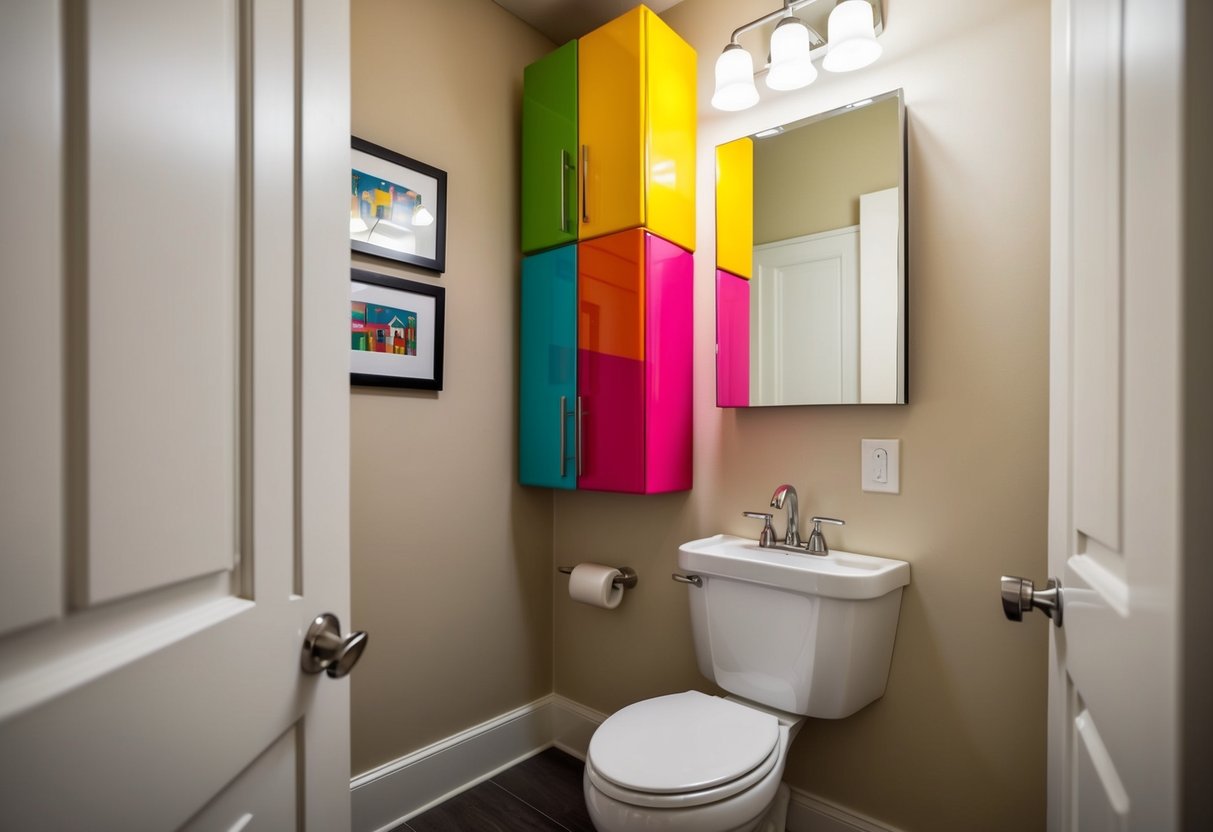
{"type": "Point", "coordinates": [580, 456]}
{"type": "Point", "coordinates": [564, 196]}
{"type": "Point", "coordinates": [325, 649]}
{"type": "Point", "coordinates": [1019, 595]}
{"type": "Point", "coordinates": [694, 580]}
{"type": "Point", "coordinates": [585, 178]}
{"type": "Point", "coordinates": [564, 458]}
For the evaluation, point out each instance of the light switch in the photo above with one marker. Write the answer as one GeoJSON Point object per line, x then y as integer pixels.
{"type": "Point", "coordinates": [880, 465]}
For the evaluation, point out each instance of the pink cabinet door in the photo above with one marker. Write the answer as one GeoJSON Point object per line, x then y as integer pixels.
{"type": "Point", "coordinates": [634, 373]}
{"type": "Point", "coordinates": [668, 371]}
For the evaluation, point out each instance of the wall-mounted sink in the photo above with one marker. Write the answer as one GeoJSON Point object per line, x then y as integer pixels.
{"type": "Point", "coordinates": [836, 575]}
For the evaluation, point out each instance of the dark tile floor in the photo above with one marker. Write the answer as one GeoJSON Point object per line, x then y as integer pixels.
{"type": "Point", "coordinates": [540, 794]}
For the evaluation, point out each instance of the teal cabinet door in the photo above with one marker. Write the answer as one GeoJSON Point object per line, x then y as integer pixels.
{"type": "Point", "coordinates": [549, 150]}
{"type": "Point", "coordinates": [547, 392]}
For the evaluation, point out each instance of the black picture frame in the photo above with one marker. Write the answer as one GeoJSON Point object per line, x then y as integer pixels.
{"type": "Point", "coordinates": [420, 370]}
{"type": "Point", "coordinates": [373, 231]}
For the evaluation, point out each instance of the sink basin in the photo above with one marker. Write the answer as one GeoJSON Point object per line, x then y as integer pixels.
{"type": "Point", "coordinates": [836, 575]}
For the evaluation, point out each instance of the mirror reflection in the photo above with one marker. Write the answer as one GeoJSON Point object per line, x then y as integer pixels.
{"type": "Point", "coordinates": [811, 260]}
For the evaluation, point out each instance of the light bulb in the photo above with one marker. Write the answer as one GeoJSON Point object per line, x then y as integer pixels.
{"type": "Point", "coordinates": [852, 37]}
{"type": "Point", "coordinates": [791, 67]}
{"type": "Point", "coordinates": [734, 80]}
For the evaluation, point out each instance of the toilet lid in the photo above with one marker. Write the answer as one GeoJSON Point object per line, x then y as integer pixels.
{"type": "Point", "coordinates": [682, 742]}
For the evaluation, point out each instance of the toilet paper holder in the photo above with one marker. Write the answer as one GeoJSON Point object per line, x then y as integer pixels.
{"type": "Point", "coordinates": [627, 577]}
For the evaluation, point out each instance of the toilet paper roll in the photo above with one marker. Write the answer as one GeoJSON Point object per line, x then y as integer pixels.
{"type": "Point", "coordinates": [590, 583]}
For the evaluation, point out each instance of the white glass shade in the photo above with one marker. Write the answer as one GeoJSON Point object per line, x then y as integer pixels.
{"type": "Point", "coordinates": [791, 68]}
{"type": "Point", "coordinates": [852, 37]}
{"type": "Point", "coordinates": [422, 215]}
{"type": "Point", "coordinates": [734, 80]}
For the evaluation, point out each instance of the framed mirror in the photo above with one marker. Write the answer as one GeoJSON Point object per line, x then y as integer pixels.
{"type": "Point", "coordinates": [811, 260]}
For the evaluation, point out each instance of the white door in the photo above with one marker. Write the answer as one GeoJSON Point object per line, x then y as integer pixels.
{"type": "Point", "coordinates": [804, 316]}
{"type": "Point", "coordinates": [1115, 442]}
{"type": "Point", "coordinates": [173, 443]}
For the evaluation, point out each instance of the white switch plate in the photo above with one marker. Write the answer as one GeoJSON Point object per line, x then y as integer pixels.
{"type": "Point", "coordinates": [880, 464]}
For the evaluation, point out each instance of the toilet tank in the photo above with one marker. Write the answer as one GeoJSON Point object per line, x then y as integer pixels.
{"type": "Point", "coordinates": [806, 634]}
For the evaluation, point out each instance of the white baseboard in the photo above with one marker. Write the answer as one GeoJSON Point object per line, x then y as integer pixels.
{"type": "Point", "coordinates": [394, 792]}
{"type": "Point", "coordinates": [807, 813]}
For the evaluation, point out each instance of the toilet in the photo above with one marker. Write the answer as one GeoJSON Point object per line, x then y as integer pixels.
{"type": "Point", "coordinates": [789, 635]}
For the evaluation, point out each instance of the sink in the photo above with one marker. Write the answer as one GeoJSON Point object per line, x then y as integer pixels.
{"type": "Point", "coordinates": [836, 575]}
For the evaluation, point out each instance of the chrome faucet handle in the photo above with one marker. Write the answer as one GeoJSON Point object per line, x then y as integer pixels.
{"type": "Point", "coordinates": [786, 492]}
{"type": "Point", "coordinates": [766, 538]}
{"type": "Point", "coordinates": [817, 540]}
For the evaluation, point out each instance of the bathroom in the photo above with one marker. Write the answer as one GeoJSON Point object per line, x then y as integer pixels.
{"type": "Point", "coordinates": [477, 576]}
{"type": "Point", "coordinates": [453, 564]}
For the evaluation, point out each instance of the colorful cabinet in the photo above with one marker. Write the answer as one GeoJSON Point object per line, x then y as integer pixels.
{"type": "Point", "coordinates": [608, 136]}
{"type": "Point", "coordinates": [628, 428]}
{"type": "Point", "coordinates": [735, 207]}
{"type": "Point", "coordinates": [549, 150]}
{"type": "Point", "coordinates": [606, 371]}
{"type": "Point", "coordinates": [548, 369]}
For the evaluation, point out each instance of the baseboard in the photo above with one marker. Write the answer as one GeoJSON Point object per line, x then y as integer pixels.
{"type": "Point", "coordinates": [396, 791]}
{"type": "Point", "coordinates": [808, 813]}
{"type": "Point", "coordinates": [392, 793]}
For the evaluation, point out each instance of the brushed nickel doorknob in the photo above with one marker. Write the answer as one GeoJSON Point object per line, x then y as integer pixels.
{"type": "Point", "coordinates": [1019, 595]}
{"type": "Point", "coordinates": [325, 649]}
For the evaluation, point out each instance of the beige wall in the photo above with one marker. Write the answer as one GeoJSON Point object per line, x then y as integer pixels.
{"type": "Point", "coordinates": [451, 560]}
{"type": "Point", "coordinates": [810, 178]}
{"type": "Point", "coordinates": [958, 741]}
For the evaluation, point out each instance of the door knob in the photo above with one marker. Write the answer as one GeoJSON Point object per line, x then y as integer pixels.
{"type": "Point", "coordinates": [1019, 595]}
{"type": "Point", "coordinates": [325, 649]}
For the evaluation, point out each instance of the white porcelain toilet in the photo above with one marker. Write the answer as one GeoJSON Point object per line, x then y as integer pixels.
{"type": "Point", "coordinates": [791, 635]}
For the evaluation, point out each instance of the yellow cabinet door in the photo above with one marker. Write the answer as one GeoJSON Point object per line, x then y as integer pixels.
{"type": "Point", "coordinates": [636, 122]}
{"type": "Point", "coordinates": [735, 207]}
{"type": "Point", "coordinates": [670, 134]}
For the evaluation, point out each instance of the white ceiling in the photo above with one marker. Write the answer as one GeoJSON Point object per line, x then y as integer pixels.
{"type": "Point", "coordinates": [563, 20]}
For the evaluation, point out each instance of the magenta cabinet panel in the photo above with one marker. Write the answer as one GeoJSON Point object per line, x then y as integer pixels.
{"type": "Point", "coordinates": [669, 375]}
{"type": "Point", "coordinates": [611, 393]}
{"type": "Point", "coordinates": [732, 340]}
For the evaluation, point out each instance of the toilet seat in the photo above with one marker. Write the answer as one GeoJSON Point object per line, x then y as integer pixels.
{"type": "Point", "coordinates": [685, 749]}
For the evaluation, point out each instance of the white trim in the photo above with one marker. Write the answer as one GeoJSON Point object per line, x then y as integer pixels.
{"type": "Point", "coordinates": [388, 795]}
{"type": "Point", "coordinates": [807, 813]}
{"type": "Point", "coordinates": [392, 793]}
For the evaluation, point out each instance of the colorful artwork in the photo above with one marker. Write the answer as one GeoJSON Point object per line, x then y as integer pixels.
{"type": "Point", "coordinates": [372, 198]}
{"type": "Point", "coordinates": [375, 328]}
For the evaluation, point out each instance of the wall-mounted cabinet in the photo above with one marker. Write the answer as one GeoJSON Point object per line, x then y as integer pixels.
{"type": "Point", "coordinates": [621, 419]}
{"type": "Point", "coordinates": [608, 224]}
{"type": "Point", "coordinates": [608, 136]}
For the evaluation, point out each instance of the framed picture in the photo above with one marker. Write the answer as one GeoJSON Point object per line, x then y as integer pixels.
{"type": "Point", "coordinates": [397, 207]}
{"type": "Point", "coordinates": [396, 331]}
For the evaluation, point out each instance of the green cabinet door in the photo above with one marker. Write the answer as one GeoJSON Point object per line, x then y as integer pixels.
{"type": "Point", "coordinates": [549, 150]}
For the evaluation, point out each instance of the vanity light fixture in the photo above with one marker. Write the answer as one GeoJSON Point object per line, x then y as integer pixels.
{"type": "Point", "coordinates": [851, 44]}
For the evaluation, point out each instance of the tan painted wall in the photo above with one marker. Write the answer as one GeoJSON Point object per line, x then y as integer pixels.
{"type": "Point", "coordinates": [809, 179]}
{"type": "Point", "coordinates": [958, 741]}
{"type": "Point", "coordinates": [451, 560]}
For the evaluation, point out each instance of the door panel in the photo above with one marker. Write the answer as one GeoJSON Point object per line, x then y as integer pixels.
{"type": "Point", "coordinates": [33, 337]}
{"type": "Point", "coordinates": [207, 425]}
{"type": "Point", "coordinates": [548, 369]}
{"type": "Point", "coordinates": [610, 95]}
{"type": "Point", "coordinates": [161, 284]}
{"type": "Point", "coordinates": [549, 150]}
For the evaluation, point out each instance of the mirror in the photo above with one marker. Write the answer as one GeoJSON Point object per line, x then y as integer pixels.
{"type": "Point", "coordinates": [811, 260]}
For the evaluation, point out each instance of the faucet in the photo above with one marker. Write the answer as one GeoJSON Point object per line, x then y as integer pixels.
{"type": "Point", "coordinates": [792, 536]}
